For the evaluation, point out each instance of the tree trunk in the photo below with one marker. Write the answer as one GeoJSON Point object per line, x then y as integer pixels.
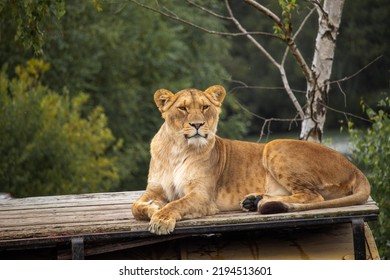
{"type": "Point", "coordinates": [329, 18]}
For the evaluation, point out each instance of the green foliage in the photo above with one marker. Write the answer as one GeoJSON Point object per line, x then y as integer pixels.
{"type": "Point", "coordinates": [120, 54]}
{"type": "Point", "coordinates": [30, 20]}
{"type": "Point", "coordinates": [233, 121]}
{"type": "Point", "coordinates": [122, 67]}
{"type": "Point", "coordinates": [373, 151]}
{"type": "Point", "coordinates": [288, 7]}
{"type": "Point", "coordinates": [47, 146]}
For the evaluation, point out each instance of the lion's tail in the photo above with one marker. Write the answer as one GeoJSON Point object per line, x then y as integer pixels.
{"type": "Point", "coordinates": [360, 195]}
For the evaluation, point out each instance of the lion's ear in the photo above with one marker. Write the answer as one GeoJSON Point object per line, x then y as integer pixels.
{"type": "Point", "coordinates": [216, 94]}
{"type": "Point", "coordinates": [164, 99]}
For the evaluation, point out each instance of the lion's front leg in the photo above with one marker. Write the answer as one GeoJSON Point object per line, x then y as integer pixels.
{"type": "Point", "coordinates": [149, 203]}
{"type": "Point", "coordinates": [192, 204]}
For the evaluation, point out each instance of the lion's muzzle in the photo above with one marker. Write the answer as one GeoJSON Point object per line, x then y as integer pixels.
{"type": "Point", "coordinates": [197, 131]}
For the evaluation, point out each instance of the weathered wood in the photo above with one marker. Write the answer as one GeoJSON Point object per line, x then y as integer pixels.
{"type": "Point", "coordinates": [110, 212]}
{"type": "Point", "coordinates": [70, 200]}
{"type": "Point", "coordinates": [119, 246]}
{"type": "Point", "coordinates": [95, 219]}
{"type": "Point", "coordinates": [329, 242]}
{"type": "Point", "coordinates": [372, 250]}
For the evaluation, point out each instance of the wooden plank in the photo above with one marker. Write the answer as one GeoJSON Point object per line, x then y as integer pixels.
{"type": "Point", "coordinates": [6, 213]}
{"type": "Point", "coordinates": [84, 200]}
{"type": "Point", "coordinates": [129, 195]}
{"type": "Point", "coordinates": [31, 216]}
{"type": "Point", "coordinates": [82, 213]}
{"type": "Point", "coordinates": [21, 204]}
{"type": "Point", "coordinates": [110, 212]}
{"type": "Point", "coordinates": [65, 219]}
{"type": "Point", "coordinates": [77, 228]}
{"type": "Point", "coordinates": [38, 213]}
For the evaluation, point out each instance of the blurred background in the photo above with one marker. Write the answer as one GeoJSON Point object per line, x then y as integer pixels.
{"type": "Point", "coordinates": [78, 78]}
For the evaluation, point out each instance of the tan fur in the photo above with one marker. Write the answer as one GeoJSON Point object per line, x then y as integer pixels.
{"type": "Point", "coordinates": [194, 173]}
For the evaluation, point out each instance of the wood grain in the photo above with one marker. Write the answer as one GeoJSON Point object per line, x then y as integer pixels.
{"type": "Point", "coordinates": [111, 212]}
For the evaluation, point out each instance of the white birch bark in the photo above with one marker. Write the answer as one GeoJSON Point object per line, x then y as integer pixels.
{"type": "Point", "coordinates": [329, 15]}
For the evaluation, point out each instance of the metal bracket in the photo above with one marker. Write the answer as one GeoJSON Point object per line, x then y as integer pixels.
{"type": "Point", "coordinates": [359, 241]}
{"type": "Point", "coordinates": [78, 248]}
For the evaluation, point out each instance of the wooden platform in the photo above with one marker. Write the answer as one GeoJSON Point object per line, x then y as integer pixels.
{"type": "Point", "coordinates": [97, 224]}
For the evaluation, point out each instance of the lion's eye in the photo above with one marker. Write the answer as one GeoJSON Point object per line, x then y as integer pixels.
{"type": "Point", "coordinates": [205, 107]}
{"type": "Point", "coordinates": [182, 108]}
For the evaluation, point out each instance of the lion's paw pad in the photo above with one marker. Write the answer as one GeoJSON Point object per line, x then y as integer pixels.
{"type": "Point", "coordinates": [250, 203]}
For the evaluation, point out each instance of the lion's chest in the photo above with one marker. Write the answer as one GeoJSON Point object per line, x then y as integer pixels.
{"type": "Point", "coordinates": [172, 172]}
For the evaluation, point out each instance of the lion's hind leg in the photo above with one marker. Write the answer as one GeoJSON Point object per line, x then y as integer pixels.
{"type": "Point", "coordinates": [287, 190]}
{"type": "Point", "coordinates": [279, 204]}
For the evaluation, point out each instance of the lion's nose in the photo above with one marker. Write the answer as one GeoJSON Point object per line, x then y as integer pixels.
{"type": "Point", "coordinates": [197, 125]}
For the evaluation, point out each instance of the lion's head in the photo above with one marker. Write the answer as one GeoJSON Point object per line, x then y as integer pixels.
{"type": "Point", "coordinates": [191, 114]}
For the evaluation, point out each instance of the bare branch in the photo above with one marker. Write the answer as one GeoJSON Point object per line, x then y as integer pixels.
{"type": "Point", "coordinates": [245, 86]}
{"type": "Point", "coordinates": [288, 39]}
{"type": "Point", "coordinates": [253, 40]}
{"type": "Point", "coordinates": [244, 32]}
{"type": "Point", "coordinates": [267, 125]}
{"type": "Point", "coordinates": [357, 72]}
{"type": "Point", "coordinates": [208, 10]}
{"type": "Point", "coordinates": [345, 113]}
{"type": "Point", "coordinates": [267, 121]}
{"type": "Point", "coordinates": [303, 23]}
{"type": "Point", "coordinates": [338, 82]}
{"type": "Point", "coordinates": [172, 16]}
{"type": "Point", "coordinates": [300, 59]}
{"type": "Point", "coordinates": [271, 59]}
{"type": "Point", "coordinates": [344, 94]}
{"type": "Point", "coordinates": [268, 13]}
{"type": "Point", "coordinates": [297, 33]}
{"type": "Point", "coordinates": [290, 93]}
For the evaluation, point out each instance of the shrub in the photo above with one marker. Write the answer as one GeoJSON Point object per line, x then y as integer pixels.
{"type": "Point", "coordinates": [372, 149]}
{"type": "Point", "coordinates": [46, 145]}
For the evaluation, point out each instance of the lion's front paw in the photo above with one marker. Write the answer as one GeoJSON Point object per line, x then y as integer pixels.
{"type": "Point", "coordinates": [144, 210]}
{"type": "Point", "coordinates": [162, 224]}
{"type": "Point", "coordinates": [250, 202]}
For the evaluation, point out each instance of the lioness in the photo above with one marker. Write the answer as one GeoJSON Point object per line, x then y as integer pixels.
{"type": "Point", "coordinates": [194, 173]}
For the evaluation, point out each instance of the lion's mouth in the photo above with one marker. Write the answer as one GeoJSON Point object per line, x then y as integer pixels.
{"type": "Point", "coordinates": [197, 135]}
